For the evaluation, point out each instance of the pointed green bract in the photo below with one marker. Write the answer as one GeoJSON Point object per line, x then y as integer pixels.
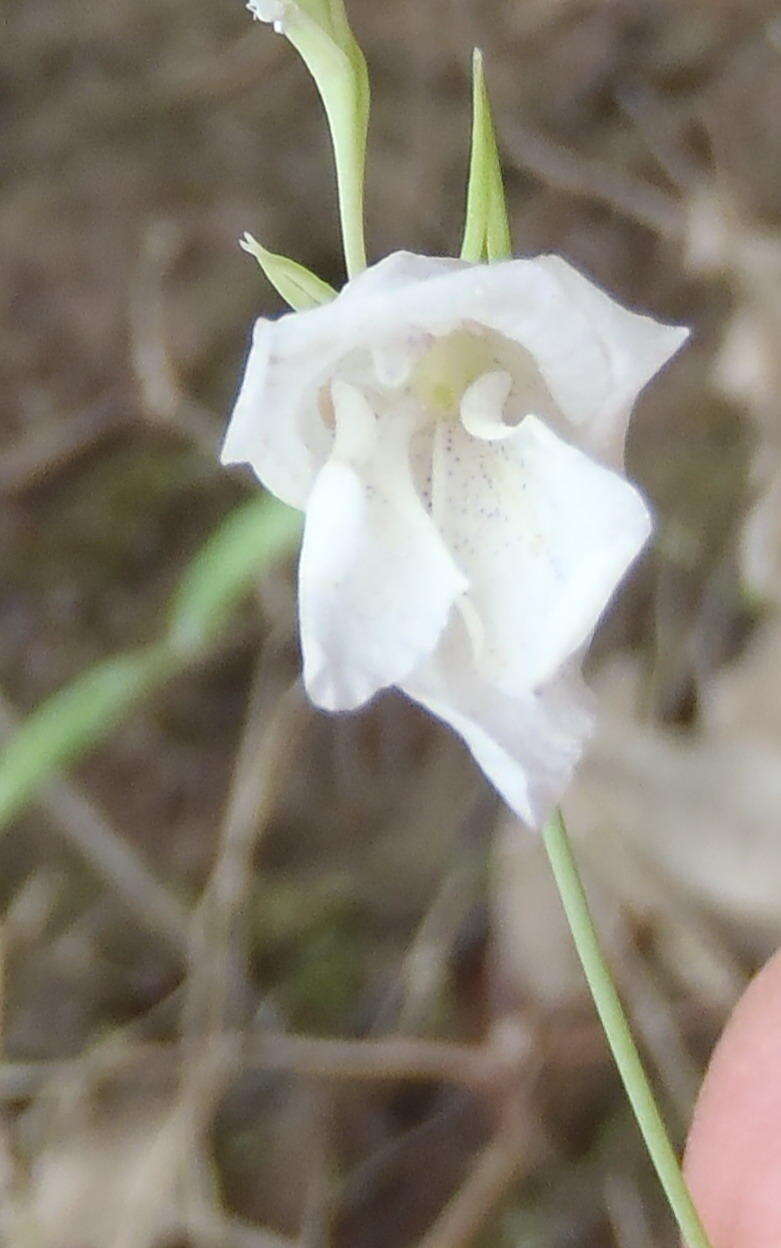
{"type": "Point", "coordinates": [297, 285]}
{"type": "Point", "coordinates": [321, 34]}
{"type": "Point", "coordinates": [487, 232]}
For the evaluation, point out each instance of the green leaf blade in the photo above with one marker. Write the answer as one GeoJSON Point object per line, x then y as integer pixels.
{"type": "Point", "coordinates": [253, 536]}
{"type": "Point", "coordinates": [75, 719]}
{"type": "Point", "coordinates": [84, 712]}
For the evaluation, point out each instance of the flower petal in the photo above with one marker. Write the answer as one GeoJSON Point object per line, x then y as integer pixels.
{"type": "Point", "coordinates": [399, 271]}
{"type": "Point", "coordinates": [276, 424]}
{"type": "Point", "coordinates": [376, 581]}
{"type": "Point", "coordinates": [529, 745]}
{"type": "Point", "coordinates": [636, 348]}
{"type": "Point", "coordinates": [543, 533]}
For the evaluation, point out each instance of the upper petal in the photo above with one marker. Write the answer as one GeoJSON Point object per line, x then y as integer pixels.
{"type": "Point", "coordinates": [400, 270]}
{"type": "Point", "coordinates": [543, 533]}
{"type": "Point", "coordinates": [593, 355]}
{"type": "Point", "coordinates": [376, 581]}
{"type": "Point", "coordinates": [528, 745]}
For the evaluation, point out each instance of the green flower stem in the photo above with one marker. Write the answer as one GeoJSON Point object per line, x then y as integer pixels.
{"type": "Point", "coordinates": [342, 80]}
{"type": "Point", "coordinates": [321, 34]}
{"type": "Point", "coordinates": [619, 1036]}
{"type": "Point", "coordinates": [350, 177]}
{"type": "Point", "coordinates": [349, 145]}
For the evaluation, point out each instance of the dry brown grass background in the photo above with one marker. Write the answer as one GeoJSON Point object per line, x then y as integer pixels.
{"type": "Point", "coordinates": [273, 978]}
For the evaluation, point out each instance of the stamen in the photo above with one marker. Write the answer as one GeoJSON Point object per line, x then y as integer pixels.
{"type": "Point", "coordinates": [448, 368]}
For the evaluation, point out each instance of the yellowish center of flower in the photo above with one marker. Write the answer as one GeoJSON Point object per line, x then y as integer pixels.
{"type": "Point", "coordinates": [448, 368]}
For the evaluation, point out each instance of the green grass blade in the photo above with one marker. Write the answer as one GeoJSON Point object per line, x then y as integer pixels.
{"type": "Point", "coordinates": [74, 719]}
{"type": "Point", "coordinates": [246, 543]}
{"type": "Point", "coordinates": [83, 713]}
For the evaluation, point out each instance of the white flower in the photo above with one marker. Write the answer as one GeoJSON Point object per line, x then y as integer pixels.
{"type": "Point", "coordinates": [455, 435]}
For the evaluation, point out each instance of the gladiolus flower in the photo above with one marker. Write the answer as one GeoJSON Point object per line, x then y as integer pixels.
{"type": "Point", "coordinates": [454, 433]}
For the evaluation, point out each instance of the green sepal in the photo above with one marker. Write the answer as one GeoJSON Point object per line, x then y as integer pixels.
{"type": "Point", "coordinates": [297, 285]}
{"type": "Point", "coordinates": [486, 232]}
